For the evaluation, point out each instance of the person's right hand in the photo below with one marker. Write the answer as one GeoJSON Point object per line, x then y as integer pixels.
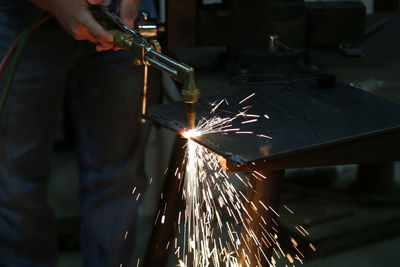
{"type": "Point", "coordinates": [74, 16]}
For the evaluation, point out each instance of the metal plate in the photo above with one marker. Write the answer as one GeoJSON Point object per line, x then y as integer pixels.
{"type": "Point", "coordinates": [303, 117]}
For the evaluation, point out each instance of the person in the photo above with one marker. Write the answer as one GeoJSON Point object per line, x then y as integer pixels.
{"type": "Point", "coordinates": [70, 59]}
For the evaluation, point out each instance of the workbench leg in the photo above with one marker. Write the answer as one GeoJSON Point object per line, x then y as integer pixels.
{"type": "Point", "coordinates": [268, 192]}
{"type": "Point", "coordinates": [170, 204]}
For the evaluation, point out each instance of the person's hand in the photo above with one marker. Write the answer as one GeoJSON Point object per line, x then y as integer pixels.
{"type": "Point", "coordinates": [75, 17]}
{"type": "Point", "coordinates": [128, 10]}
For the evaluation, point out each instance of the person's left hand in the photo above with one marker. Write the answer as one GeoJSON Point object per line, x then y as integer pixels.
{"type": "Point", "coordinates": [128, 10]}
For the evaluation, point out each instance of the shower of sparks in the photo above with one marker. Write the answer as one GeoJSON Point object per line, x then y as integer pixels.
{"type": "Point", "coordinates": [211, 197]}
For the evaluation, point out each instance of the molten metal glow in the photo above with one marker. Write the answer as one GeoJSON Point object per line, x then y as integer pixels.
{"type": "Point", "coordinates": [191, 133]}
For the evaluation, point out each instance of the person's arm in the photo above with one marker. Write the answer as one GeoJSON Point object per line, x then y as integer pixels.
{"type": "Point", "coordinates": [128, 10]}
{"type": "Point", "coordinates": [77, 20]}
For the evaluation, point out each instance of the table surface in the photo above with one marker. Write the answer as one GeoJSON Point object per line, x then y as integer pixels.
{"type": "Point", "coordinates": [301, 117]}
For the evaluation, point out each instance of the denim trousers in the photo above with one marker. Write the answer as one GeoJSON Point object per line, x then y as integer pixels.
{"type": "Point", "coordinates": [102, 95]}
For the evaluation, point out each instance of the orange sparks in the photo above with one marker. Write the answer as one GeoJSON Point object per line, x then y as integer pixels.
{"type": "Point", "coordinates": [312, 247]}
{"type": "Point", "coordinates": [294, 242]}
{"type": "Point", "coordinates": [249, 121]}
{"type": "Point", "coordinates": [305, 231]}
{"type": "Point", "coordinates": [259, 174]}
{"type": "Point", "coordinates": [288, 209]}
{"type": "Point", "coordinates": [289, 257]}
{"type": "Point", "coordinates": [244, 132]}
{"type": "Point", "coordinates": [264, 136]}
{"type": "Point", "coordinates": [247, 98]}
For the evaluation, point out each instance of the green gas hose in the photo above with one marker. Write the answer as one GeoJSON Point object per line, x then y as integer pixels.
{"type": "Point", "coordinates": [9, 64]}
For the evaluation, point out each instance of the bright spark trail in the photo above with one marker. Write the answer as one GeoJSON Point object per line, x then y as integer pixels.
{"type": "Point", "coordinates": [217, 225]}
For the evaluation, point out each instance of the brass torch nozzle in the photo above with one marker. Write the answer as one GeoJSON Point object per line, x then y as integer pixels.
{"type": "Point", "coordinates": [190, 95]}
{"type": "Point", "coordinates": [191, 115]}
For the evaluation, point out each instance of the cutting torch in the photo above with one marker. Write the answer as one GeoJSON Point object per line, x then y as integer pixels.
{"type": "Point", "coordinates": [148, 53]}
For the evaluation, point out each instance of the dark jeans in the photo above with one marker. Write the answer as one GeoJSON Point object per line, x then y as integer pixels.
{"type": "Point", "coordinates": [102, 94]}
